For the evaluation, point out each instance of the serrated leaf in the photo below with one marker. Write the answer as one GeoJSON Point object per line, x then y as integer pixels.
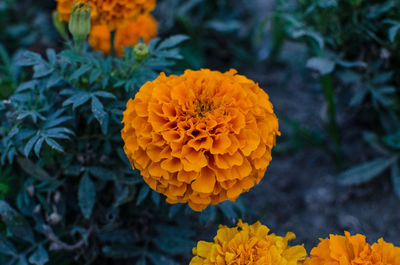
{"type": "Point", "coordinates": [98, 110]}
{"type": "Point", "coordinates": [29, 145]}
{"type": "Point", "coordinates": [322, 65]}
{"type": "Point", "coordinates": [208, 215]}
{"type": "Point", "coordinates": [104, 94]}
{"type": "Point", "coordinates": [38, 146]}
{"type": "Point", "coordinates": [39, 257]}
{"type": "Point", "coordinates": [53, 144]}
{"type": "Point", "coordinates": [41, 70]}
{"type": "Point", "coordinates": [172, 42]}
{"type": "Point", "coordinates": [27, 85]}
{"type": "Point", "coordinates": [144, 191]}
{"type": "Point", "coordinates": [16, 223]}
{"type": "Point", "coordinates": [86, 196]}
{"type": "Point", "coordinates": [80, 71]}
{"type": "Point", "coordinates": [365, 172]}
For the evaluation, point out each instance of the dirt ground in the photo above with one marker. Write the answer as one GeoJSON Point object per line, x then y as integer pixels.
{"type": "Point", "coordinates": [299, 192]}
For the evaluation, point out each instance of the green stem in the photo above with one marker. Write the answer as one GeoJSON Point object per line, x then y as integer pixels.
{"type": "Point", "coordinates": [332, 128]}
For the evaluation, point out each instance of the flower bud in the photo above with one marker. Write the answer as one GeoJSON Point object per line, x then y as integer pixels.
{"type": "Point", "coordinates": [140, 51]}
{"type": "Point", "coordinates": [79, 22]}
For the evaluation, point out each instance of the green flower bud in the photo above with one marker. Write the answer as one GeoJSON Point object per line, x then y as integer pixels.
{"type": "Point", "coordinates": [140, 51]}
{"type": "Point", "coordinates": [79, 22]}
{"type": "Point", "coordinates": [59, 24]}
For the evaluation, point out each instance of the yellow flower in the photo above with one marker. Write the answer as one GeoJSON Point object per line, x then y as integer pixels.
{"type": "Point", "coordinates": [250, 245]}
{"type": "Point", "coordinates": [353, 250]}
{"type": "Point", "coordinates": [145, 27]}
{"type": "Point", "coordinates": [113, 13]}
{"type": "Point", "coordinates": [203, 137]}
{"type": "Point", "coordinates": [100, 38]}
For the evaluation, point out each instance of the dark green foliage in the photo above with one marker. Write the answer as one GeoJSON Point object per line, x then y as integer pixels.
{"type": "Point", "coordinates": [353, 46]}
{"type": "Point", "coordinates": [76, 194]}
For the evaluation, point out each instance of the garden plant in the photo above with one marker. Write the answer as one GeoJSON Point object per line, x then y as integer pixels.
{"type": "Point", "coordinates": [122, 144]}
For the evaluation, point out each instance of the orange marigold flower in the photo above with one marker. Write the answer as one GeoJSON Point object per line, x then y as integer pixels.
{"type": "Point", "coordinates": [248, 244]}
{"type": "Point", "coordinates": [144, 27]}
{"type": "Point", "coordinates": [353, 250]}
{"type": "Point", "coordinates": [113, 13]}
{"type": "Point", "coordinates": [203, 137]}
{"type": "Point", "coordinates": [100, 38]}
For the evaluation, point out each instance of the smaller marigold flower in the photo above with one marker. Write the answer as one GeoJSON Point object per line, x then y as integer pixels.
{"type": "Point", "coordinates": [100, 38]}
{"type": "Point", "coordinates": [353, 250]}
{"type": "Point", "coordinates": [248, 244]}
{"type": "Point", "coordinates": [113, 13]}
{"type": "Point", "coordinates": [144, 27]}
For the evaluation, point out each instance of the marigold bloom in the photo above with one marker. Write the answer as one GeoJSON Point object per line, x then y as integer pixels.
{"type": "Point", "coordinates": [144, 27]}
{"type": "Point", "coordinates": [248, 244]}
{"type": "Point", "coordinates": [113, 13]}
{"type": "Point", "coordinates": [203, 137]}
{"type": "Point", "coordinates": [100, 38]}
{"type": "Point", "coordinates": [353, 250]}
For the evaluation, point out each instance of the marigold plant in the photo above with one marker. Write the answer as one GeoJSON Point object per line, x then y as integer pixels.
{"type": "Point", "coordinates": [248, 244]}
{"type": "Point", "coordinates": [113, 13]}
{"type": "Point", "coordinates": [203, 137]}
{"type": "Point", "coordinates": [144, 27]}
{"type": "Point", "coordinates": [349, 250]}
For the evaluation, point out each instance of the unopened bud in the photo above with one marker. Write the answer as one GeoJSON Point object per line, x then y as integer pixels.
{"type": "Point", "coordinates": [140, 51]}
{"type": "Point", "coordinates": [59, 24]}
{"type": "Point", "coordinates": [79, 22]}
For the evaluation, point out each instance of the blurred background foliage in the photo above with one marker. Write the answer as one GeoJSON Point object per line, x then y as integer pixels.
{"type": "Point", "coordinates": [68, 194]}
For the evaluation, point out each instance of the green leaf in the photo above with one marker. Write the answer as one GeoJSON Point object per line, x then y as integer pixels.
{"type": "Point", "coordinates": [16, 223]}
{"type": "Point", "coordinates": [6, 247]}
{"type": "Point", "coordinates": [22, 261]}
{"type": "Point", "coordinates": [102, 173]}
{"type": "Point", "coordinates": [395, 176]}
{"type": "Point", "coordinates": [98, 110]}
{"type": "Point", "coordinates": [365, 172]}
{"type": "Point", "coordinates": [39, 257]}
{"type": "Point", "coordinates": [172, 41]}
{"type": "Point", "coordinates": [122, 251]}
{"type": "Point", "coordinates": [86, 196]}
{"type": "Point", "coordinates": [41, 70]}
{"type": "Point", "coordinates": [53, 144]}
{"type": "Point", "coordinates": [29, 145]}
{"type": "Point", "coordinates": [174, 245]}
{"type": "Point", "coordinates": [227, 209]}
{"type": "Point", "coordinates": [144, 191]}
{"type": "Point", "coordinates": [33, 170]}
{"type": "Point", "coordinates": [80, 71]}
{"type": "Point", "coordinates": [156, 197]}
{"type": "Point", "coordinates": [322, 65]}
{"type": "Point", "coordinates": [393, 32]}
